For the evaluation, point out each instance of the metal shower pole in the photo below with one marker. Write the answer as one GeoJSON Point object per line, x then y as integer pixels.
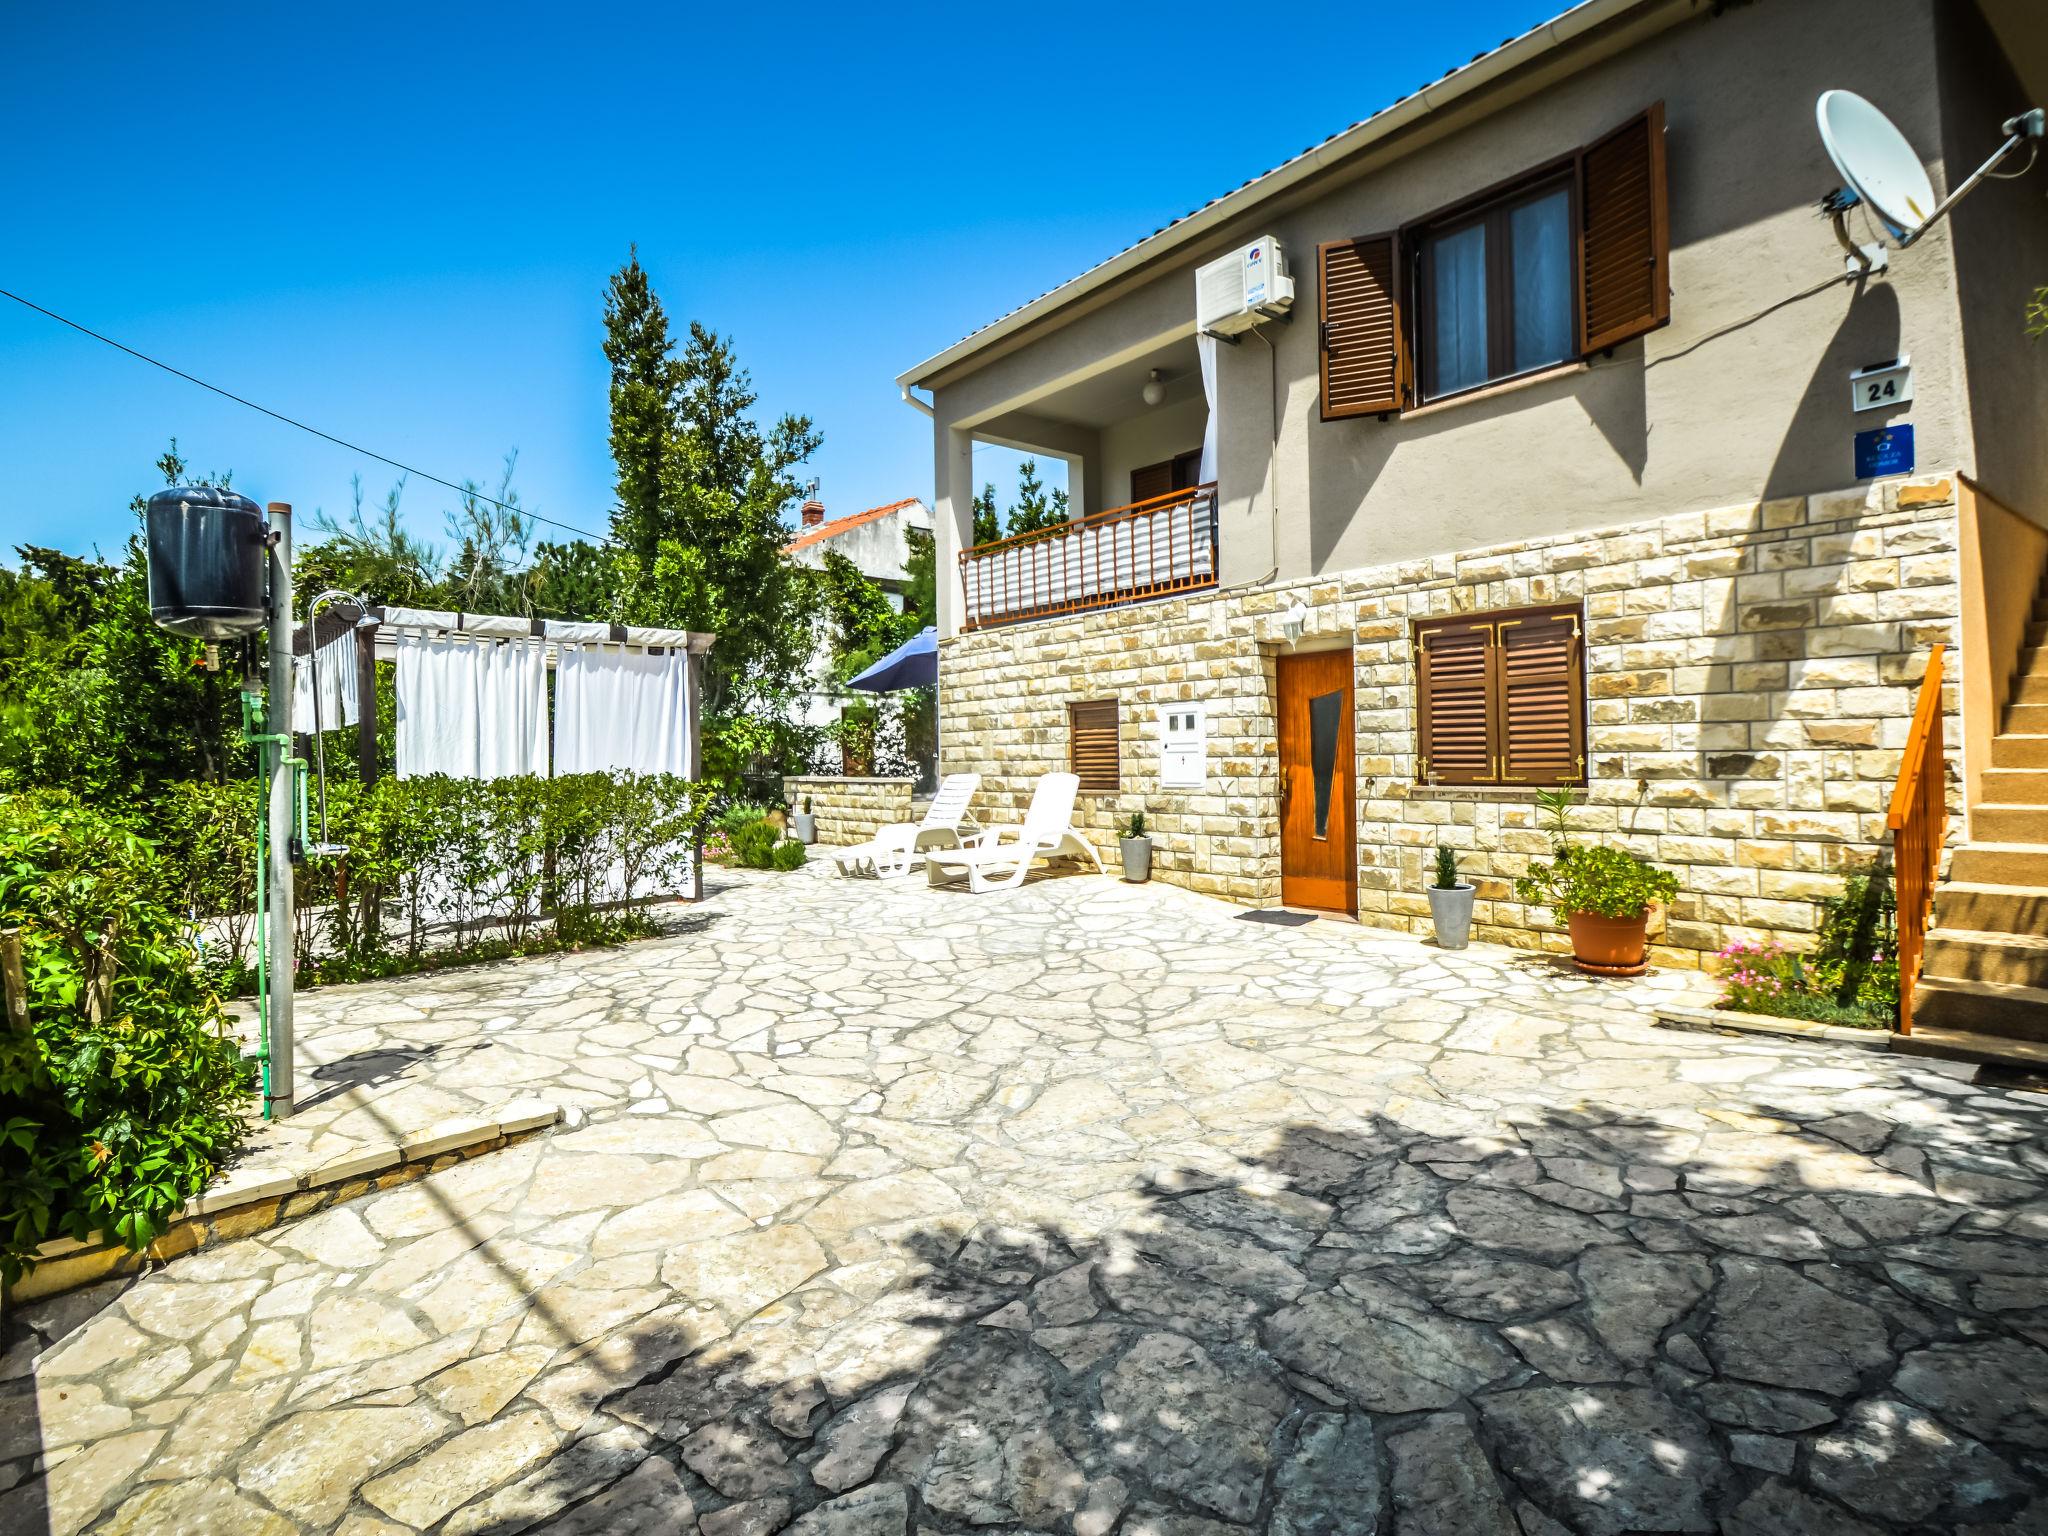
{"type": "Point", "coordinates": [283, 832]}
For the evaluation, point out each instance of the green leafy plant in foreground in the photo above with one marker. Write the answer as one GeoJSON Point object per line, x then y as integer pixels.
{"type": "Point", "coordinates": [1591, 878]}
{"type": "Point", "coordinates": [1134, 824]}
{"type": "Point", "coordinates": [1608, 882]}
{"type": "Point", "coordinates": [124, 1097]}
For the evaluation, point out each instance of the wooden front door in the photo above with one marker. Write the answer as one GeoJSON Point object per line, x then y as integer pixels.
{"type": "Point", "coordinates": [1318, 826]}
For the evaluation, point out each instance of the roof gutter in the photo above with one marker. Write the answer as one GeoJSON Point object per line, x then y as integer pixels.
{"type": "Point", "coordinates": [1515, 54]}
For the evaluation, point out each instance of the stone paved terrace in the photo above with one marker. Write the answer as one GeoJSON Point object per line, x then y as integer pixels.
{"type": "Point", "coordinates": [1087, 1208]}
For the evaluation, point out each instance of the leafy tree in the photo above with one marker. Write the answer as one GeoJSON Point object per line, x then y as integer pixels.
{"type": "Point", "coordinates": [373, 556]}
{"type": "Point", "coordinates": [701, 487]}
{"type": "Point", "coordinates": [576, 580]}
{"type": "Point", "coordinates": [94, 697]}
{"type": "Point", "coordinates": [488, 571]}
{"type": "Point", "coordinates": [1034, 508]}
{"type": "Point", "coordinates": [988, 524]}
{"type": "Point", "coordinates": [490, 534]}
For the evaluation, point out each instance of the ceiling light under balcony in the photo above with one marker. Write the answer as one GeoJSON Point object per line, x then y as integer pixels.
{"type": "Point", "coordinates": [1155, 388]}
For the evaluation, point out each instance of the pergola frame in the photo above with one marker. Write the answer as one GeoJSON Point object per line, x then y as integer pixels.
{"type": "Point", "coordinates": [377, 629]}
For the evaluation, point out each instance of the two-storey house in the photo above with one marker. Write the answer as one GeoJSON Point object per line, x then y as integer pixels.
{"type": "Point", "coordinates": [1551, 475]}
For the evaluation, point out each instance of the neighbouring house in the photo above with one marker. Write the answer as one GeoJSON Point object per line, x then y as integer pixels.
{"type": "Point", "coordinates": [1549, 476]}
{"type": "Point", "coordinates": [877, 542]}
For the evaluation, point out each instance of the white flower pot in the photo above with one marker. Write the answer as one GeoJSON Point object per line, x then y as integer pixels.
{"type": "Point", "coordinates": [1452, 912]}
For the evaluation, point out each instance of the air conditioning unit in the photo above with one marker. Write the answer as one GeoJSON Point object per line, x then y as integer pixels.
{"type": "Point", "coordinates": [1235, 292]}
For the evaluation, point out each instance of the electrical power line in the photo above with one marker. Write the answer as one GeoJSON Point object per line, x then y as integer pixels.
{"type": "Point", "coordinates": [342, 442]}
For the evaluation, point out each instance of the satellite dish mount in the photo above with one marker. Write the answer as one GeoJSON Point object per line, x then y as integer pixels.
{"type": "Point", "coordinates": [1881, 171]}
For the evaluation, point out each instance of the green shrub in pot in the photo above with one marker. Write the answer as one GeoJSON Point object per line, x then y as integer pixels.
{"type": "Point", "coordinates": [1604, 894]}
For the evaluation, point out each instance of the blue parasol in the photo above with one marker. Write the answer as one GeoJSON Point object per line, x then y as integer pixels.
{"type": "Point", "coordinates": [913, 664]}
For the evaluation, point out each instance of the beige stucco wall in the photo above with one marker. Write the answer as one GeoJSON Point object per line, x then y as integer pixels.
{"type": "Point", "coordinates": [1171, 430]}
{"type": "Point", "coordinates": [1751, 675]}
{"type": "Point", "coordinates": [1743, 396]}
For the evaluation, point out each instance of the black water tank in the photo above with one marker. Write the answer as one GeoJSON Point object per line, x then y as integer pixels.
{"type": "Point", "coordinates": [206, 558]}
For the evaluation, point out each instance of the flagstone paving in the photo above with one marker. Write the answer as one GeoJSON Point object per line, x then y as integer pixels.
{"type": "Point", "coordinates": [1085, 1208]}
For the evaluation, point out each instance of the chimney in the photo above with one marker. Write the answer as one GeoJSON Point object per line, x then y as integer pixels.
{"type": "Point", "coordinates": [813, 512]}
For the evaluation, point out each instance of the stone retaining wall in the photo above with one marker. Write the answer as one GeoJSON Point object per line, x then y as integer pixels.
{"type": "Point", "coordinates": [849, 810]}
{"type": "Point", "coordinates": [1751, 673]}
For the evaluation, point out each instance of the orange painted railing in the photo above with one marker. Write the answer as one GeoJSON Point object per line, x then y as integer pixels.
{"type": "Point", "coordinates": [1918, 819]}
{"type": "Point", "coordinates": [1148, 549]}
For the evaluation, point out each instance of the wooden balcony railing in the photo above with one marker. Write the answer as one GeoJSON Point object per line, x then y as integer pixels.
{"type": "Point", "coordinates": [1918, 819]}
{"type": "Point", "coordinates": [1148, 549]}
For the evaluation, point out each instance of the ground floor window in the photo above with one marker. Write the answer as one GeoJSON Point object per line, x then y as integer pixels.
{"type": "Point", "coordinates": [1500, 698]}
{"type": "Point", "coordinates": [1092, 745]}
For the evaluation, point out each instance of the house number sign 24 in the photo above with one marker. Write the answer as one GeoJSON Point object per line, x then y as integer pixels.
{"type": "Point", "coordinates": [1882, 385]}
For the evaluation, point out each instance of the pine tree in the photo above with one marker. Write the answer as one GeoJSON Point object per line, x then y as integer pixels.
{"type": "Point", "coordinates": [701, 488]}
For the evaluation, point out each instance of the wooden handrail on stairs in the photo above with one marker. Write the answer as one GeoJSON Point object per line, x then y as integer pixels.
{"type": "Point", "coordinates": [1918, 819]}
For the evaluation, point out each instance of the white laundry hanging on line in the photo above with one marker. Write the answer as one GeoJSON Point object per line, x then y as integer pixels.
{"type": "Point", "coordinates": [471, 709]}
{"type": "Point", "coordinates": [620, 707]}
{"type": "Point", "coordinates": [338, 707]}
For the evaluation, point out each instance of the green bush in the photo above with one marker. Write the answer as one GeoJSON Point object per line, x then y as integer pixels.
{"type": "Point", "coordinates": [439, 870]}
{"type": "Point", "coordinates": [787, 855]}
{"type": "Point", "coordinates": [753, 844]}
{"type": "Point", "coordinates": [1610, 882]}
{"type": "Point", "coordinates": [123, 1098]}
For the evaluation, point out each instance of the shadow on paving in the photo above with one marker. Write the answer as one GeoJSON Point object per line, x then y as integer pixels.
{"type": "Point", "coordinates": [1583, 1322]}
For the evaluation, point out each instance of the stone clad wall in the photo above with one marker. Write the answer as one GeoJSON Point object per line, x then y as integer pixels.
{"type": "Point", "coordinates": [849, 810]}
{"type": "Point", "coordinates": [1750, 677]}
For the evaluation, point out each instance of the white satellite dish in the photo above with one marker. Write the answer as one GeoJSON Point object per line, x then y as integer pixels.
{"type": "Point", "coordinates": [1876, 161]}
{"type": "Point", "coordinates": [1884, 172]}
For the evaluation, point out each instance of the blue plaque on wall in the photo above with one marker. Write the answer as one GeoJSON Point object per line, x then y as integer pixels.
{"type": "Point", "coordinates": [1884, 451]}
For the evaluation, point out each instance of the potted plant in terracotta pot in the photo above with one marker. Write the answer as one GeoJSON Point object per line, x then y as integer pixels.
{"type": "Point", "coordinates": [1450, 902]}
{"type": "Point", "coordinates": [1603, 894]}
{"type": "Point", "coordinates": [803, 826]}
{"type": "Point", "coordinates": [1136, 848]}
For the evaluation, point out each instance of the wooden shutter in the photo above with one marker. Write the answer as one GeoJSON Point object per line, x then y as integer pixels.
{"type": "Point", "coordinates": [1152, 480]}
{"type": "Point", "coordinates": [1625, 234]}
{"type": "Point", "coordinates": [1454, 702]}
{"type": "Point", "coordinates": [1364, 355]}
{"type": "Point", "coordinates": [1542, 693]}
{"type": "Point", "coordinates": [1092, 745]}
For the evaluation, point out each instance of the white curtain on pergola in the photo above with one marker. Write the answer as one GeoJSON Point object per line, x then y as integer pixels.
{"type": "Point", "coordinates": [618, 707]}
{"type": "Point", "coordinates": [472, 709]}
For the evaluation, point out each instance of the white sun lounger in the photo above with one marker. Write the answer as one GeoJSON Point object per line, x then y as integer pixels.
{"type": "Point", "coordinates": [896, 849]}
{"type": "Point", "coordinates": [991, 863]}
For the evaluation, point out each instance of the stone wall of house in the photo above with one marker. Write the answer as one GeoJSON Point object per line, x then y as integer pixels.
{"type": "Point", "coordinates": [1751, 674]}
{"type": "Point", "coordinates": [848, 809]}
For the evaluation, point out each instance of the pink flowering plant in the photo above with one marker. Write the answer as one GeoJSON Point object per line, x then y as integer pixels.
{"type": "Point", "coordinates": [1851, 976]}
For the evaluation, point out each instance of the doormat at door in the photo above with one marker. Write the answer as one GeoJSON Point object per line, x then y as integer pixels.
{"type": "Point", "coordinates": [1278, 917]}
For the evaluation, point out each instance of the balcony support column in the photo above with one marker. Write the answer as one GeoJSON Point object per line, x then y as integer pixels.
{"type": "Point", "coordinates": [952, 515]}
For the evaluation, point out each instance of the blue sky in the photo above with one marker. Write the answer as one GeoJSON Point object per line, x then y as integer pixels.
{"type": "Point", "coordinates": [396, 221]}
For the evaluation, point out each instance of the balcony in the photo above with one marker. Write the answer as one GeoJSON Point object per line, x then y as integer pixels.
{"type": "Point", "coordinates": [1150, 549]}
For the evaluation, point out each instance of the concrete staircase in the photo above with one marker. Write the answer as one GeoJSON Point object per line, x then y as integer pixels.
{"type": "Point", "coordinates": [1983, 993]}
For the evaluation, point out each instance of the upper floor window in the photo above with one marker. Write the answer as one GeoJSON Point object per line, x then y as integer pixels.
{"type": "Point", "coordinates": [1573, 260]}
{"type": "Point", "coordinates": [1496, 292]}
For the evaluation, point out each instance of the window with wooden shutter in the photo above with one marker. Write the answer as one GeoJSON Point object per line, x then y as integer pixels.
{"type": "Point", "coordinates": [1501, 698]}
{"type": "Point", "coordinates": [1454, 689]}
{"type": "Point", "coordinates": [1363, 341]}
{"type": "Point", "coordinates": [1625, 234]}
{"type": "Point", "coordinates": [1092, 745]}
{"type": "Point", "coordinates": [1542, 698]}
